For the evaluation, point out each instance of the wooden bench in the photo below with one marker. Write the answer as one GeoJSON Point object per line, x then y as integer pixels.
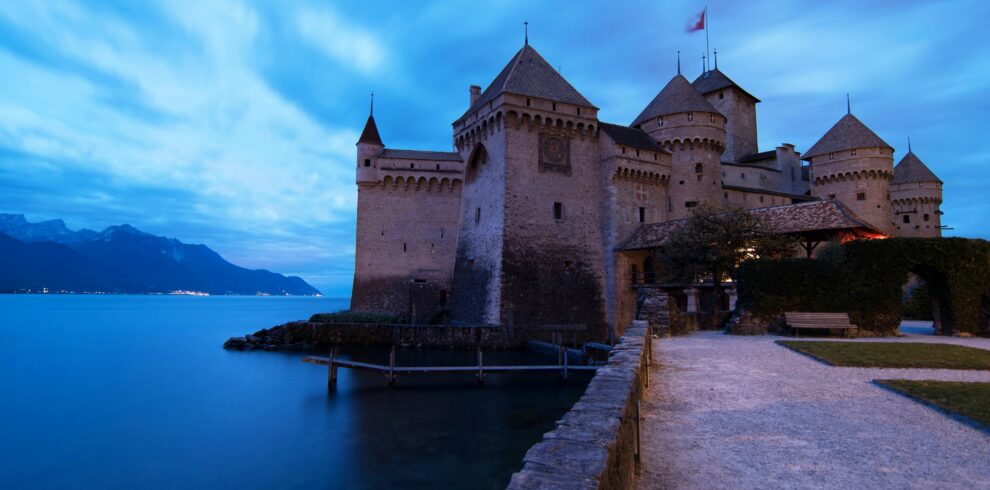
{"type": "Point", "coordinates": [827, 321]}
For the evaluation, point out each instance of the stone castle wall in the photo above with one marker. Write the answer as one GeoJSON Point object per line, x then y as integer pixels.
{"type": "Point", "coordinates": [695, 142]}
{"type": "Point", "coordinates": [477, 264]}
{"type": "Point", "coordinates": [916, 209]}
{"type": "Point", "coordinates": [860, 179]}
{"type": "Point", "coordinates": [552, 266]}
{"type": "Point", "coordinates": [406, 241]}
{"type": "Point", "coordinates": [740, 126]}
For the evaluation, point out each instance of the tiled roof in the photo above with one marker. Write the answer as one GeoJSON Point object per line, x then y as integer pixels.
{"type": "Point", "coordinates": [911, 169]}
{"type": "Point", "coordinates": [755, 190]}
{"type": "Point", "coordinates": [847, 134]}
{"type": "Point", "coordinates": [631, 137]}
{"type": "Point", "coordinates": [814, 216]}
{"type": "Point", "coordinates": [529, 74]}
{"type": "Point", "coordinates": [370, 133]}
{"type": "Point", "coordinates": [421, 155]}
{"type": "Point", "coordinates": [713, 80]}
{"type": "Point", "coordinates": [677, 96]}
{"type": "Point", "coordinates": [751, 165]}
{"type": "Point", "coordinates": [755, 157]}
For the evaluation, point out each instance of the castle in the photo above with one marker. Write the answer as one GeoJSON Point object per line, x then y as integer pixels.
{"type": "Point", "coordinates": [523, 223]}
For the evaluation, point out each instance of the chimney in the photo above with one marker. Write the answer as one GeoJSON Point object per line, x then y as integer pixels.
{"type": "Point", "coordinates": [475, 93]}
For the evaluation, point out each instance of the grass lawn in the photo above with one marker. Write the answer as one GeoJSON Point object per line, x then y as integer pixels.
{"type": "Point", "coordinates": [970, 400]}
{"type": "Point", "coordinates": [893, 354]}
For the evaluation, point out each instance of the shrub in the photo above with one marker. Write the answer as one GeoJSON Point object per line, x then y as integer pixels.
{"type": "Point", "coordinates": [864, 278]}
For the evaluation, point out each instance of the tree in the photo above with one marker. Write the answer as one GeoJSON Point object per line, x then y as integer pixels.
{"type": "Point", "coordinates": [713, 242]}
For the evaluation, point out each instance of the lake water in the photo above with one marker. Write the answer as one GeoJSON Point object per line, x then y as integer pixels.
{"type": "Point", "coordinates": [136, 392]}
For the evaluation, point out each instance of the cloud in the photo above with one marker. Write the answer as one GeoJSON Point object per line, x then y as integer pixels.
{"type": "Point", "coordinates": [232, 123]}
{"type": "Point", "coordinates": [340, 39]}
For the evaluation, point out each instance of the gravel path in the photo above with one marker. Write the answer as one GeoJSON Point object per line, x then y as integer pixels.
{"type": "Point", "coordinates": [742, 412]}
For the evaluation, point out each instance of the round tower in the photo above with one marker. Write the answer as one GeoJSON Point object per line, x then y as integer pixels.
{"type": "Point", "coordinates": [852, 164]}
{"type": "Point", "coordinates": [682, 122]}
{"type": "Point", "coordinates": [369, 147]}
{"type": "Point", "coordinates": [916, 195]}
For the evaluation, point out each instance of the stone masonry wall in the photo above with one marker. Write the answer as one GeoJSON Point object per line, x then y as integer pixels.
{"type": "Point", "coordinates": [850, 174]}
{"type": "Point", "coordinates": [594, 444]}
{"type": "Point", "coordinates": [740, 126]}
{"type": "Point", "coordinates": [552, 268]}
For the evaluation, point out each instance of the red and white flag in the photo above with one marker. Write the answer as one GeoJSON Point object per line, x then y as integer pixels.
{"type": "Point", "coordinates": [698, 22]}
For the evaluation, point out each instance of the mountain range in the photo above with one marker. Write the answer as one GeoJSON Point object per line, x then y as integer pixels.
{"type": "Point", "coordinates": [122, 259]}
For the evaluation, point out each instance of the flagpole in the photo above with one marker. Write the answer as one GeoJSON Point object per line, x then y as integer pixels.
{"type": "Point", "coordinates": [706, 39]}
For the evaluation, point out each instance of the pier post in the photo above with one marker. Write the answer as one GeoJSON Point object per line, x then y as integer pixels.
{"type": "Point", "coordinates": [481, 369]}
{"type": "Point", "coordinates": [564, 350]}
{"type": "Point", "coordinates": [391, 367]}
{"type": "Point", "coordinates": [332, 370]}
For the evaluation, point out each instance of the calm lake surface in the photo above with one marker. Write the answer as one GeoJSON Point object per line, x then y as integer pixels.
{"type": "Point", "coordinates": [136, 392]}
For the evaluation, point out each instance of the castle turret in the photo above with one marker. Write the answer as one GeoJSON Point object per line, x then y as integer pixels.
{"type": "Point", "coordinates": [852, 164]}
{"type": "Point", "coordinates": [683, 123]}
{"type": "Point", "coordinates": [739, 108]}
{"type": "Point", "coordinates": [915, 195]}
{"type": "Point", "coordinates": [369, 147]}
{"type": "Point", "coordinates": [529, 240]}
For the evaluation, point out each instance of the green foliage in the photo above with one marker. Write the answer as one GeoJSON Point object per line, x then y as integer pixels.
{"type": "Point", "coordinates": [714, 241]}
{"type": "Point", "coordinates": [864, 278]}
{"type": "Point", "coordinates": [346, 316]}
{"type": "Point", "coordinates": [918, 304]}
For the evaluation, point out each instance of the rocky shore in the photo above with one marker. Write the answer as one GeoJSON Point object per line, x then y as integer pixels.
{"type": "Point", "coordinates": [308, 335]}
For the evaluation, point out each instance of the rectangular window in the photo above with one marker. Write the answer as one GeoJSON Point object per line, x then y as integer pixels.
{"type": "Point", "coordinates": [642, 215]}
{"type": "Point", "coordinates": [367, 162]}
{"type": "Point", "coordinates": [690, 116]}
{"type": "Point", "coordinates": [558, 210]}
{"type": "Point", "coordinates": [860, 196]}
{"type": "Point", "coordinates": [831, 196]}
{"type": "Point", "coordinates": [404, 247]}
{"type": "Point", "coordinates": [477, 215]}
{"type": "Point", "coordinates": [925, 217]}
{"type": "Point", "coordinates": [907, 218]}
{"type": "Point", "coordinates": [691, 204]}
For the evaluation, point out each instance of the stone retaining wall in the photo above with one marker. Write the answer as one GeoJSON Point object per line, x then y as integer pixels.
{"type": "Point", "coordinates": [594, 444]}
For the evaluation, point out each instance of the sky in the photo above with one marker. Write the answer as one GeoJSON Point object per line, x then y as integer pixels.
{"type": "Point", "coordinates": [232, 123]}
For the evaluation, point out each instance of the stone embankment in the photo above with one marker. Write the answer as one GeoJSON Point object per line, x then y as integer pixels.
{"type": "Point", "coordinates": [595, 444]}
{"type": "Point", "coordinates": [307, 335]}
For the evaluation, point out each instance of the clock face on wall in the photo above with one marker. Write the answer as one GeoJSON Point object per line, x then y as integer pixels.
{"type": "Point", "coordinates": [555, 154]}
{"type": "Point", "coordinates": [554, 149]}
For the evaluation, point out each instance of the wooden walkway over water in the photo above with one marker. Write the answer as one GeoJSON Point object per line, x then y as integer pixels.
{"type": "Point", "coordinates": [391, 371]}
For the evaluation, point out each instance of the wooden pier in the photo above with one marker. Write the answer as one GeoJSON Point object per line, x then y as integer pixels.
{"type": "Point", "coordinates": [390, 371]}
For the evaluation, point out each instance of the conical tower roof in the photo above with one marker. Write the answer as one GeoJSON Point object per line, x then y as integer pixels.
{"type": "Point", "coordinates": [713, 80]}
{"type": "Point", "coordinates": [528, 74]}
{"type": "Point", "coordinates": [847, 134]}
{"type": "Point", "coordinates": [370, 133]}
{"type": "Point", "coordinates": [677, 96]}
{"type": "Point", "coordinates": [912, 170]}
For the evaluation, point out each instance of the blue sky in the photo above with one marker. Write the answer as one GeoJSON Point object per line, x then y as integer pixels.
{"type": "Point", "coordinates": [232, 123]}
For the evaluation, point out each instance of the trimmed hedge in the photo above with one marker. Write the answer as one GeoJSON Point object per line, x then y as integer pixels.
{"type": "Point", "coordinates": [864, 278]}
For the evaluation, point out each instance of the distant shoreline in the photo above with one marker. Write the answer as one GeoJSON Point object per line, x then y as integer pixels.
{"type": "Point", "coordinates": [60, 293]}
